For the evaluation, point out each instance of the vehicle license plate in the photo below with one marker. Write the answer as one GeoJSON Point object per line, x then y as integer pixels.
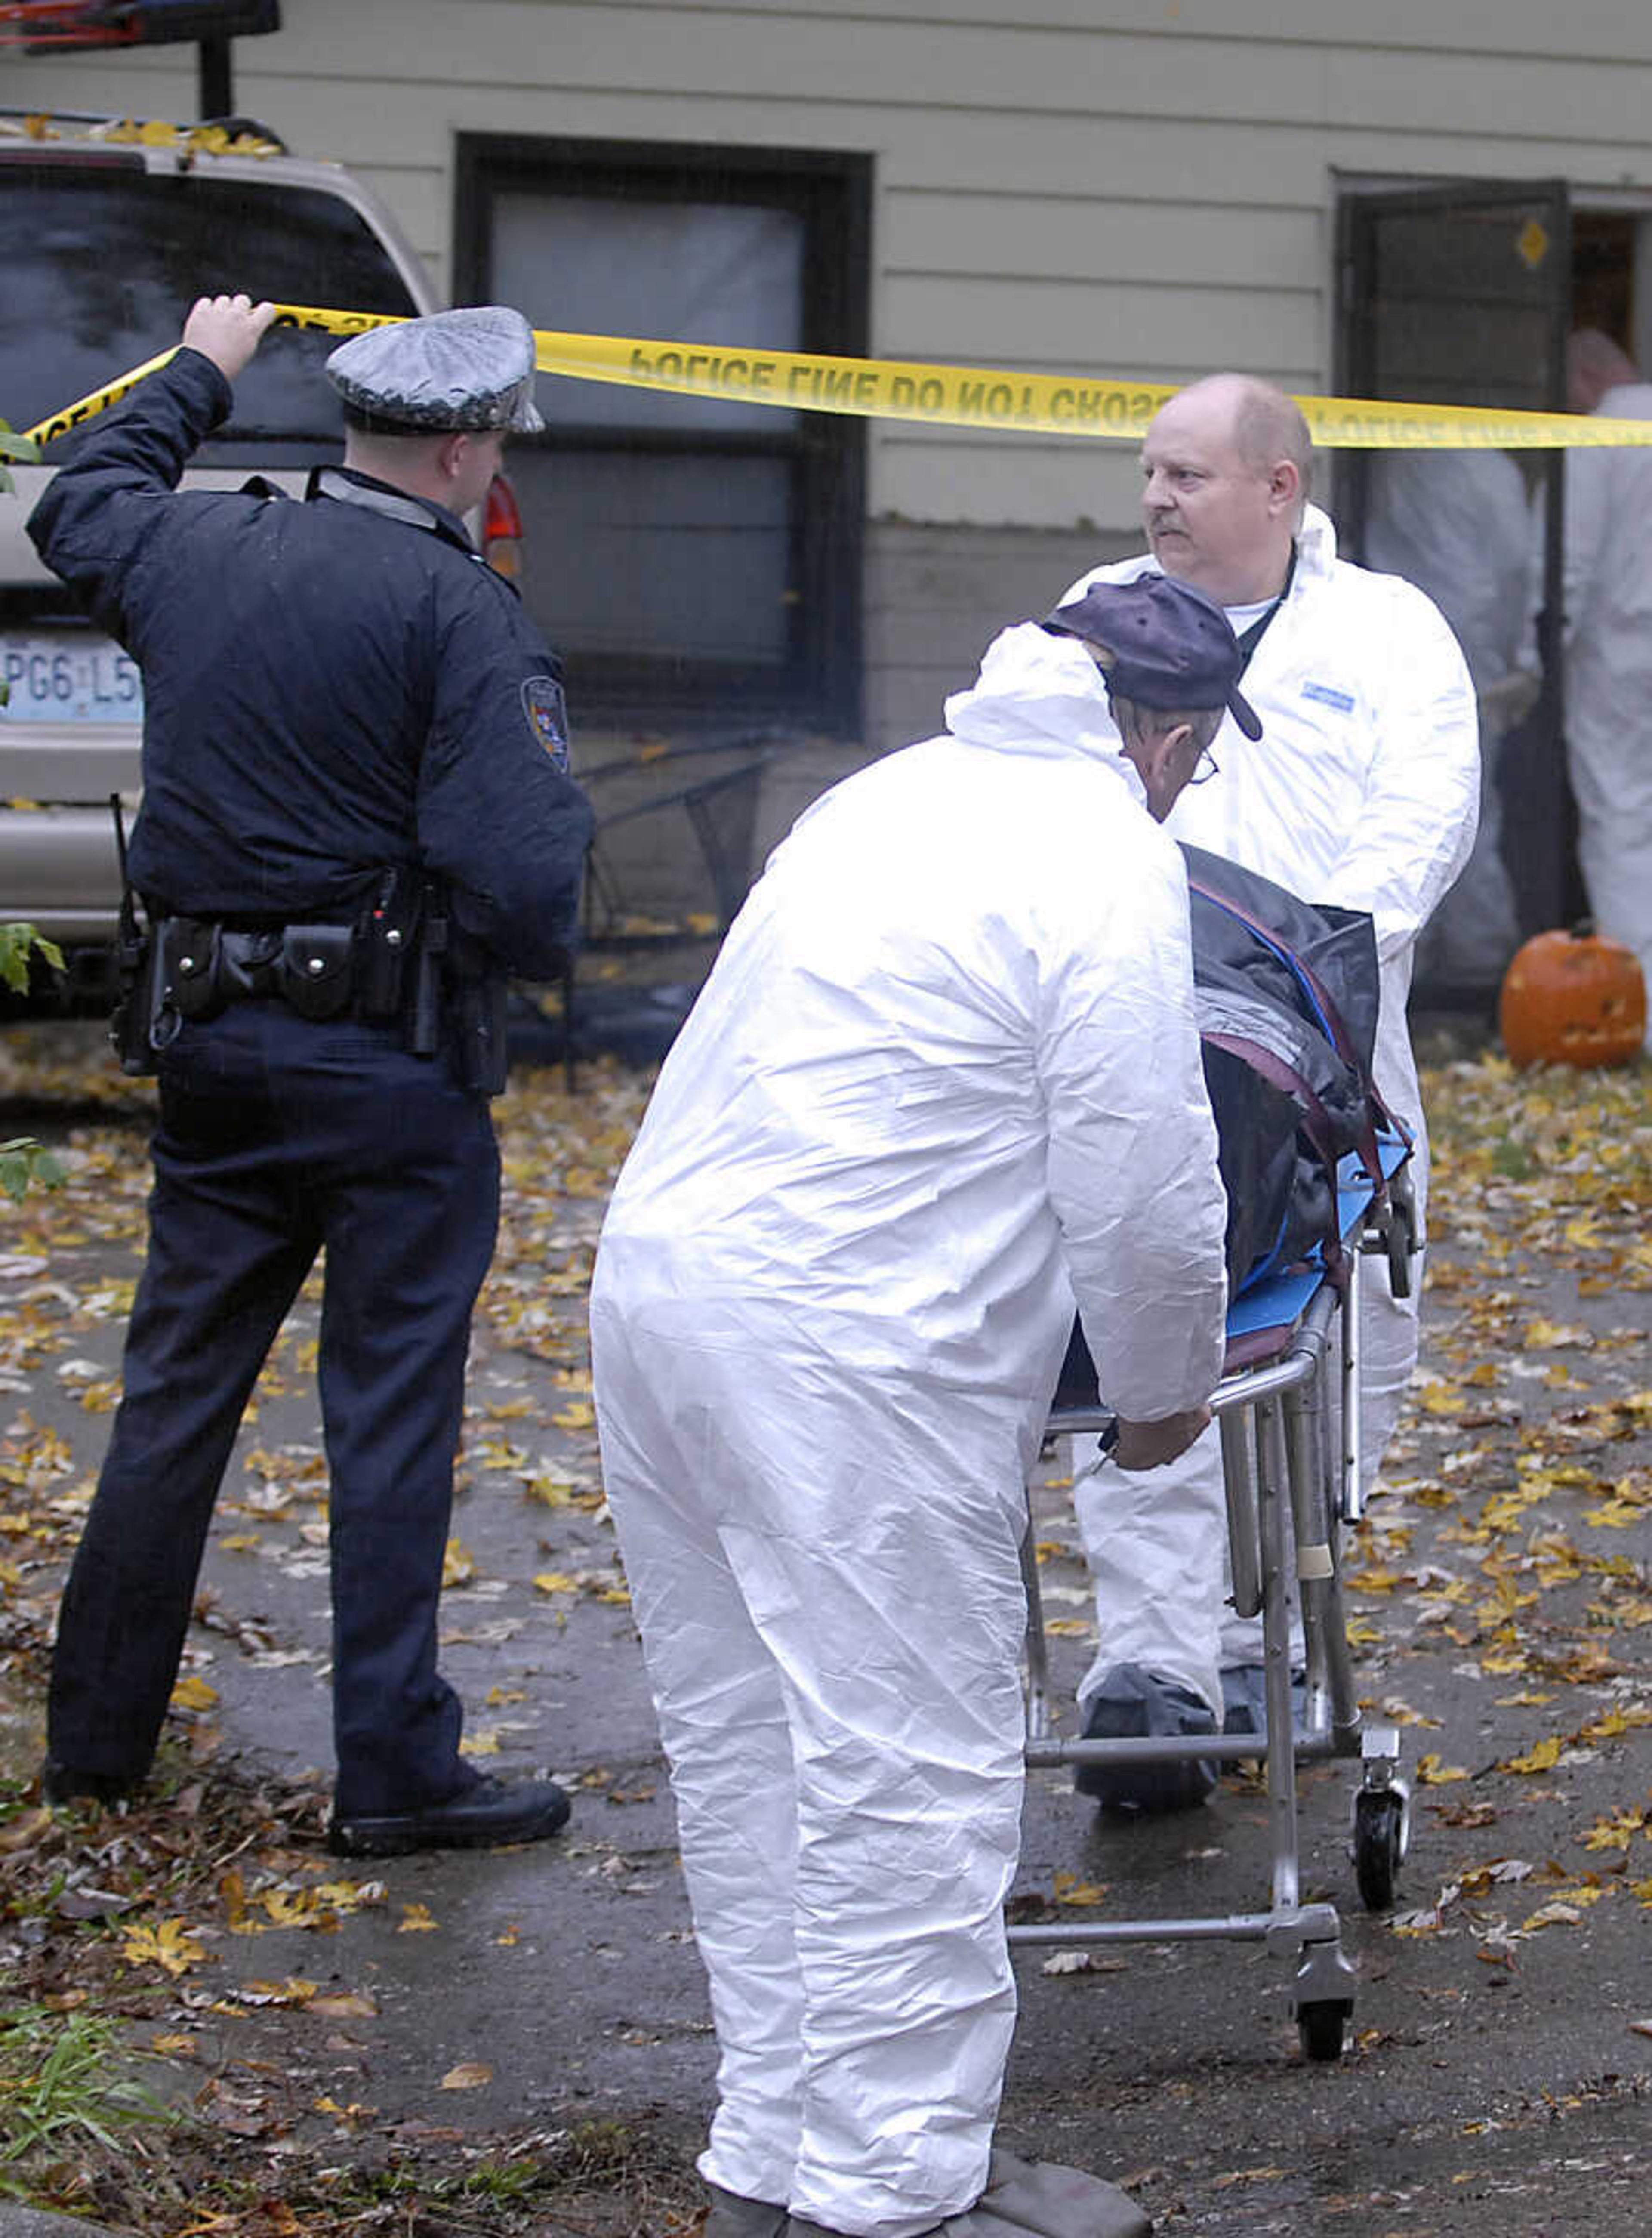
{"type": "Point", "coordinates": [69, 676]}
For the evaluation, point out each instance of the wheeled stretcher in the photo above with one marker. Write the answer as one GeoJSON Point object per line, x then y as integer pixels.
{"type": "Point", "coordinates": [1289, 1416]}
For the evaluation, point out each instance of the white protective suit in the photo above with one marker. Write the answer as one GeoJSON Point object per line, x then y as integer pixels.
{"type": "Point", "coordinates": [1457, 524]}
{"type": "Point", "coordinates": [1607, 599]}
{"type": "Point", "coordinates": [943, 1079]}
{"type": "Point", "coordinates": [1361, 790]}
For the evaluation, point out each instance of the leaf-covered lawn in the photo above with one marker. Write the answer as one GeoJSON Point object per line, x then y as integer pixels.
{"type": "Point", "coordinates": [1508, 1560]}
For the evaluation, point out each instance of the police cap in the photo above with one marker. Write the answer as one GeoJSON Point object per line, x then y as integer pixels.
{"type": "Point", "coordinates": [455, 370]}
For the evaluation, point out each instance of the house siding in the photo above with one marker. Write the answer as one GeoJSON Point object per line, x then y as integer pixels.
{"type": "Point", "coordinates": [1140, 191]}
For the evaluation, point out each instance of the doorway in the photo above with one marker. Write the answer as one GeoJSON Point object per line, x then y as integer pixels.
{"type": "Point", "coordinates": [1610, 288]}
{"type": "Point", "coordinates": [1464, 292]}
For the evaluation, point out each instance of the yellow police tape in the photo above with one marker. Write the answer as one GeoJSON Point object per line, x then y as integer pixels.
{"type": "Point", "coordinates": [956, 396]}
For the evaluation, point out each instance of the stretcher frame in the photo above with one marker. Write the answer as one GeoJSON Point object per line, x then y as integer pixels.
{"type": "Point", "coordinates": [1292, 1471]}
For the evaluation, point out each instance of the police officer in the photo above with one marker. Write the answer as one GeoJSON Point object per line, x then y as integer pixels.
{"type": "Point", "coordinates": [357, 818]}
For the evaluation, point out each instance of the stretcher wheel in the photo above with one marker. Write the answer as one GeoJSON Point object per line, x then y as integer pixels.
{"type": "Point", "coordinates": [1321, 2026]}
{"type": "Point", "coordinates": [1380, 1845]}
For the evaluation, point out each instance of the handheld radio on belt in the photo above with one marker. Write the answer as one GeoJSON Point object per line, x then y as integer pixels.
{"type": "Point", "coordinates": [128, 1028]}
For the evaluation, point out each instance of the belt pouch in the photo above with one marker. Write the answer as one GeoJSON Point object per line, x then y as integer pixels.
{"type": "Point", "coordinates": [315, 975]}
{"type": "Point", "coordinates": [484, 1057]}
{"type": "Point", "coordinates": [387, 935]}
{"type": "Point", "coordinates": [190, 981]}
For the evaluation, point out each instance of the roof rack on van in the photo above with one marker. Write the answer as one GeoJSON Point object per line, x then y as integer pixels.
{"type": "Point", "coordinates": [218, 136]}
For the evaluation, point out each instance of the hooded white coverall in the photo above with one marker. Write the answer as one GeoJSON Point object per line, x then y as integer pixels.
{"type": "Point", "coordinates": [1362, 791]}
{"type": "Point", "coordinates": [1607, 599]}
{"type": "Point", "coordinates": [943, 1081]}
{"type": "Point", "coordinates": [1457, 524]}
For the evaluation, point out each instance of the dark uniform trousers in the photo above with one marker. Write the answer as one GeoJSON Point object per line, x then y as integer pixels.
{"type": "Point", "coordinates": [279, 1136]}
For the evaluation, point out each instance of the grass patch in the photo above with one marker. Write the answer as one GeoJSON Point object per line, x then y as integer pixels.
{"type": "Point", "coordinates": [593, 2179]}
{"type": "Point", "coordinates": [61, 2089]}
{"type": "Point", "coordinates": [1512, 1159]}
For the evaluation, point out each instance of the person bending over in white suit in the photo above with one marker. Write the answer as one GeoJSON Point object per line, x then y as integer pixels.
{"type": "Point", "coordinates": [1362, 791]}
{"type": "Point", "coordinates": [942, 1083]}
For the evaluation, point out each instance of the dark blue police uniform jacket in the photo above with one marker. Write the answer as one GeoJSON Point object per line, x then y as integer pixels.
{"type": "Point", "coordinates": [330, 688]}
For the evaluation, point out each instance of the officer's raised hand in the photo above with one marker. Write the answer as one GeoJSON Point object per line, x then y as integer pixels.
{"type": "Point", "coordinates": [228, 329]}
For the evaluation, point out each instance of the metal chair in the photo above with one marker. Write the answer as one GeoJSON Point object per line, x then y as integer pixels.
{"type": "Point", "coordinates": [722, 813]}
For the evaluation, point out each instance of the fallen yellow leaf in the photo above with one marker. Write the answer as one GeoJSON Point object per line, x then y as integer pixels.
{"type": "Point", "coordinates": [1374, 1579]}
{"type": "Point", "coordinates": [292, 1991]}
{"type": "Point", "coordinates": [1432, 1773]}
{"type": "Point", "coordinates": [1439, 1398]}
{"type": "Point", "coordinates": [1543, 1757]}
{"type": "Point", "coordinates": [1613, 1723]}
{"type": "Point", "coordinates": [1549, 1336]}
{"type": "Point", "coordinates": [170, 1944]}
{"type": "Point", "coordinates": [1069, 1888]}
{"type": "Point", "coordinates": [551, 1491]}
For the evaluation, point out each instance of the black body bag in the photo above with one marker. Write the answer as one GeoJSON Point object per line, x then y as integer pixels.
{"type": "Point", "coordinates": [1286, 993]}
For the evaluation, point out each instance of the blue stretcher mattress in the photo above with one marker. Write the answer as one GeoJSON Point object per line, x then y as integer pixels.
{"type": "Point", "coordinates": [1280, 1303]}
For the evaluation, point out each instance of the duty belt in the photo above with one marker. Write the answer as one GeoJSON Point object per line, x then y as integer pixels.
{"type": "Point", "coordinates": [320, 969]}
{"type": "Point", "coordinates": [397, 961]}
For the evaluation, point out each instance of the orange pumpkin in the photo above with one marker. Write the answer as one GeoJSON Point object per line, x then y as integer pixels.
{"type": "Point", "coordinates": [1573, 998]}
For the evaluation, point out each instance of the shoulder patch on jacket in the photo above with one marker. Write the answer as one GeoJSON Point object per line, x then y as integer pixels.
{"type": "Point", "coordinates": [547, 715]}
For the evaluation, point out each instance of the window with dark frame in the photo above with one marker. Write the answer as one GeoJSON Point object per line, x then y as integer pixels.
{"type": "Point", "coordinates": [694, 562]}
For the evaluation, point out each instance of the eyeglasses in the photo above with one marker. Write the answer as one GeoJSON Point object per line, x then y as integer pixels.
{"type": "Point", "coordinates": [1204, 768]}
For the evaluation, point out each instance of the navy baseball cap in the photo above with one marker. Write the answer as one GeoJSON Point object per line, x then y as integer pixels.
{"type": "Point", "coordinates": [1162, 644]}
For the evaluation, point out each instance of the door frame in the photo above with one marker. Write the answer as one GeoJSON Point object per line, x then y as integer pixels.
{"type": "Point", "coordinates": [1540, 846]}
